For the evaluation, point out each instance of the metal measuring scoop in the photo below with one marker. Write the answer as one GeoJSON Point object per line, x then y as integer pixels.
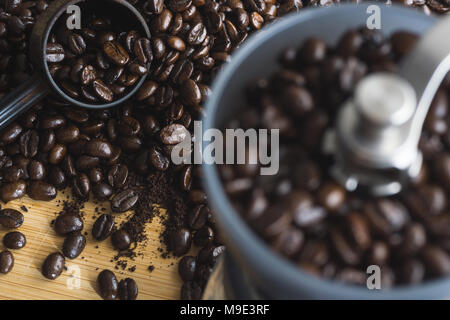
{"type": "Point", "coordinates": [376, 138]}
{"type": "Point", "coordinates": [41, 82]}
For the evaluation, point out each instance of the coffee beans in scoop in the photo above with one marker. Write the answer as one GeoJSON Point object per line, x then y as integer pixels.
{"type": "Point", "coordinates": [306, 216]}
{"type": "Point", "coordinates": [99, 63]}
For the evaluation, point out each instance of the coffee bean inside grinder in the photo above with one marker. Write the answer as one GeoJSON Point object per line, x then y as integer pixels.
{"type": "Point", "coordinates": [305, 215]}
{"type": "Point", "coordinates": [103, 59]}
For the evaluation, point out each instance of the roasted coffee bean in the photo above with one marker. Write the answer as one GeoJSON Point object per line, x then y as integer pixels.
{"type": "Point", "coordinates": [359, 230]}
{"type": "Point", "coordinates": [190, 92]}
{"type": "Point", "coordinates": [442, 169]}
{"type": "Point", "coordinates": [158, 160]}
{"type": "Point", "coordinates": [116, 53]}
{"type": "Point", "coordinates": [104, 36]}
{"type": "Point", "coordinates": [204, 236]}
{"type": "Point", "coordinates": [53, 266]}
{"type": "Point", "coordinates": [198, 217]}
{"type": "Point", "coordinates": [102, 91]}
{"type": "Point", "coordinates": [14, 240]}
{"type": "Point", "coordinates": [85, 163]}
{"type": "Point", "coordinates": [137, 69]}
{"type": "Point", "coordinates": [332, 196]}
{"type": "Point", "coordinates": [57, 177]}
{"type": "Point", "coordinates": [210, 254]}
{"type": "Point", "coordinates": [52, 122]}
{"type": "Point", "coordinates": [102, 191]}
{"type": "Point", "coordinates": [11, 219]}
{"type": "Point", "coordinates": [129, 126]}
{"type": "Point", "coordinates": [6, 262]}
{"type": "Point", "coordinates": [173, 134]}
{"type": "Point", "coordinates": [13, 174]}
{"type": "Point", "coordinates": [121, 240]}
{"type": "Point", "coordinates": [47, 140]}
{"type": "Point", "coordinates": [11, 133]}
{"type": "Point", "coordinates": [128, 289]}
{"type": "Point", "coordinates": [124, 201]}
{"type": "Point", "coordinates": [180, 241]}
{"type": "Point", "coordinates": [81, 186]}
{"type": "Point", "coordinates": [54, 53]}
{"type": "Point", "coordinates": [107, 285]}
{"type": "Point", "coordinates": [191, 291]}
{"type": "Point", "coordinates": [412, 272]}
{"type": "Point", "coordinates": [186, 268]}
{"type": "Point", "coordinates": [68, 166]}
{"type": "Point", "coordinates": [386, 216]}
{"type": "Point", "coordinates": [12, 191]}
{"type": "Point", "coordinates": [74, 245]}
{"type": "Point", "coordinates": [117, 175]}
{"type": "Point", "coordinates": [198, 196]}
{"type": "Point", "coordinates": [147, 90]}
{"type": "Point", "coordinates": [313, 51]}
{"type": "Point", "coordinates": [143, 50]}
{"type": "Point", "coordinates": [68, 224]}
{"type": "Point", "coordinates": [40, 190]}
{"type": "Point", "coordinates": [29, 142]}
{"type": "Point", "coordinates": [436, 260]}
{"type": "Point", "coordinates": [87, 75]}
{"type": "Point", "coordinates": [57, 154]}
{"type": "Point", "coordinates": [98, 148]}
{"type": "Point", "coordinates": [76, 44]}
{"type": "Point", "coordinates": [113, 74]}
{"type": "Point", "coordinates": [103, 227]}
{"type": "Point", "coordinates": [36, 170]}
{"type": "Point", "coordinates": [95, 175]}
{"type": "Point", "coordinates": [415, 238]}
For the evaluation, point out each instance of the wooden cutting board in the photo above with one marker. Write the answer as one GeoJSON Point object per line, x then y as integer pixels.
{"type": "Point", "coordinates": [79, 280]}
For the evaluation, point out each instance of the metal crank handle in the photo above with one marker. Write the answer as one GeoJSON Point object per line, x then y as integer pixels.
{"type": "Point", "coordinates": [425, 68]}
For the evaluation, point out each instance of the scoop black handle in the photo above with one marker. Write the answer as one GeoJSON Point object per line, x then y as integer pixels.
{"type": "Point", "coordinates": [23, 97]}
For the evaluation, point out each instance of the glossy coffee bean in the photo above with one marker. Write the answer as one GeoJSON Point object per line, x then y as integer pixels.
{"type": "Point", "coordinates": [98, 148]}
{"type": "Point", "coordinates": [12, 191]}
{"type": "Point", "coordinates": [186, 268]}
{"type": "Point", "coordinates": [6, 262]}
{"type": "Point", "coordinates": [191, 291]}
{"type": "Point", "coordinates": [180, 241]}
{"type": "Point", "coordinates": [57, 177]}
{"type": "Point", "coordinates": [124, 201]}
{"type": "Point", "coordinates": [53, 266]}
{"type": "Point", "coordinates": [107, 285]}
{"type": "Point", "coordinates": [73, 245]}
{"type": "Point", "coordinates": [39, 190]}
{"type": "Point", "coordinates": [204, 236]}
{"type": "Point", "coordinates": [121, 240]}
{"type": "Point", "coordinates": [210, 254]}
{"type": "Point", "coordinates": [436, 260]}
{"type": "Point", "coordinates": [36, 170]}
{"type": "Point", "coordinates": [173, 134]}
{"type": "Point", "coordinates": [68, 223]}
{"type": "Point", "coordinates": [102, 191]}
{"type": "Point", "coordinates": [14, 240]}
{"type": "Point", "coordinates": [128, 289]}
{"type": "Point", "coordinates": [103, 227]}
{"type": "Point", "coordinates": [11, 219]}
{"type": "Point", "coordinates": [81, 186]}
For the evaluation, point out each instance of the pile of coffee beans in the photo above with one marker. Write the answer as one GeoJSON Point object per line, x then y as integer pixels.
{"type": "Point", "coordinates": [306, 216]}
{"type": "Point", "coordinates": [97, 64]}
{"type": "Point", "coordinates": [14, 240]}
{"type": "Point", "coordinates": [122, 154]}
{"type": "Point", "coordinates": [110, 289]}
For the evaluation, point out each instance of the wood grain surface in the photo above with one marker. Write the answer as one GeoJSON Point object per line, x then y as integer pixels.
{"type": "Point", "coordinates": [79, 280]}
